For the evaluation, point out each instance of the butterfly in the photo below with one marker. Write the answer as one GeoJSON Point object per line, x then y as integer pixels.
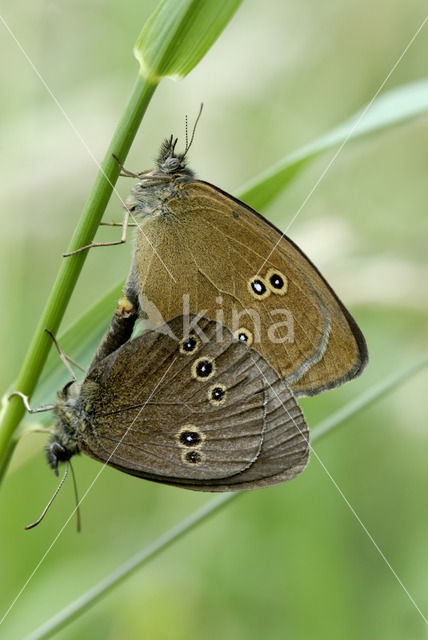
{"type": "Point", "coordinates": [187, 405]}
{"type": "Point", "coordinates": [199, 249]}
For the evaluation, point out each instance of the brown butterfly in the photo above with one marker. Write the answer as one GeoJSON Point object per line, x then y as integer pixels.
{"type": "Point", "coordinates": [186, 405]}
{"type": "Point", "coordinates": [200, 249]}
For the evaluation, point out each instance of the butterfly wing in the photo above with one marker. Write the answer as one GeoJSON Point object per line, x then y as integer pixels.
{"type": "Point", "coordinates": [211, 415]}
{"type": "Point", "coordinates": [223, 255]}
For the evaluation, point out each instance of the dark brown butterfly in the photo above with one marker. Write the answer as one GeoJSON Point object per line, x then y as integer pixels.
{"type": "Point", "coordinates": [186, 405]}
{"type": "Point", "coordinates": [197, 245]}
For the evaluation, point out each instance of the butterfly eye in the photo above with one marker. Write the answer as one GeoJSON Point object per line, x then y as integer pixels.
{"type": "Point", "coordinates": [203, 369]}
{"type": "Point", "coordinates": [172, 163]}
{"type": "Point", "coordinates": [244, 335]}
{"type": "Point", "coordinates": [217, 394]}
{"type": "Point", "coordinates": [189, 345]}
{"type": "Point", "coordinates": [258, 288]}
{"type": "Point", "coordinates": [277, 281]}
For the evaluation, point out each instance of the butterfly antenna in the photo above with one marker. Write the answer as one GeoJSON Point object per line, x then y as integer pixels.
{"type": "Point", "coordinates": [45, 510]}
{"type": "Point", "coordinates": [76, 496]}
{"type": "Point", "coordinates": [188, 145]}
{"type": "Point", "coordinates": [186, 129]}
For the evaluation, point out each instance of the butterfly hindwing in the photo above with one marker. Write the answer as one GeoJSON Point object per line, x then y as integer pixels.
{"type": "Point", "coordinates": [208, 415]}
{"type": "Point", "coordinates": [217, 253]}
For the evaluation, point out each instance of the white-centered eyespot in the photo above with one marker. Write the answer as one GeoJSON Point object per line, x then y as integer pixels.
{"type": "Point", "coordinates": [277, 281]}
{"type": "Point", "coordinates": [203, 369]}
{"type": "Point", "coordinates": [192, 458]}
{"type": "Point", "coordinates": [258, 287]}
{"type": "Point", "coordinates": [244, 335]}
{"type": "Point", "coordinates": [190, 344]}
{"type": "Point", "coordinates": [190, 436]}
{"type": "Point", "coordinates": [217, 394]}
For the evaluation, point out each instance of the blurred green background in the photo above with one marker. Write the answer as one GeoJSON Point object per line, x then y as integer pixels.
{"type": "Point", "coordinates": [287, 562]}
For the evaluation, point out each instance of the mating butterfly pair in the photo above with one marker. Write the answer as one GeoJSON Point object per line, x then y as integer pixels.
{"type": "Point", "coordinates": [219, 413]}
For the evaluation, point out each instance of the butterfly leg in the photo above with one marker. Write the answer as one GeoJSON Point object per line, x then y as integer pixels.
{"type": "Point", "coordinates": [118, 224]}
{"type": "Point", "coordinates": [64, 357]}
{"type": "Point", "coordinates": [25, 400]}
{"type": "Point", "coordinates": [125, 224]}
{"type": "Point", "coordinates": [125, 173]}
{"type": "Point", "coordinates": [66, 360]}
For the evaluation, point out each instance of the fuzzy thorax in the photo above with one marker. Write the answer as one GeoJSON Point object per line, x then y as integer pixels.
{"type": "Point", "coordinates": [156, 187]}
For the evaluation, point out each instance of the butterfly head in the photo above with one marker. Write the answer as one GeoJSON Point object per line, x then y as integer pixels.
{"type": "Point", "coordinates": [64, 441]}
{"type": "Point", "coordinates": [57, 452]}
{"type": "Point", "coordinates": [171, 163]}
